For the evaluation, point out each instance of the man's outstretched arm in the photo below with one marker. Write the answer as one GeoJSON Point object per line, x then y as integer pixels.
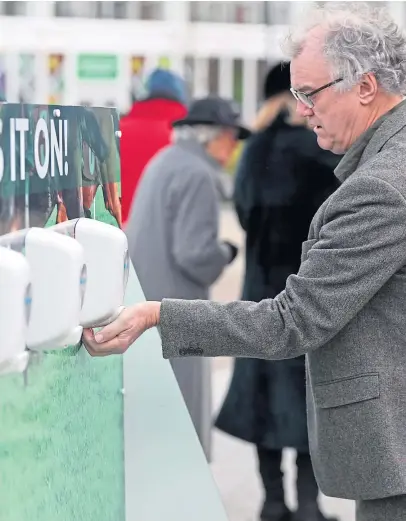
{"type": "Point", "coordinates": [361, 245]}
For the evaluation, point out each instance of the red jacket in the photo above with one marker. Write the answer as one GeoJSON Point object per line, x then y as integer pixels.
{"type": "Point", "coordinates": [145, 130]}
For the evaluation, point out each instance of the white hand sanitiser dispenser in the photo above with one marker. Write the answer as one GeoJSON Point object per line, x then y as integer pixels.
{"type": "Point", "coordinates": [15, 306]}
{"type": "Point", "coordinates": [107, 263]}
{"type": "Point", "coordinates": [58, 281]}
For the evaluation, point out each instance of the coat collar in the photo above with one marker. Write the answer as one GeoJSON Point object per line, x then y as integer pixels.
{"type": "Point", "coordinates": [372, 141]}
{"type": "Point", "coordinates": [215, 169]}
{"type": "Point", "coordinates": [198, 150]}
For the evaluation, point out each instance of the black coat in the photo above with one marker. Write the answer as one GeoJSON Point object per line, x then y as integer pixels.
{"type": "Point", "coordinates": [282, 179]}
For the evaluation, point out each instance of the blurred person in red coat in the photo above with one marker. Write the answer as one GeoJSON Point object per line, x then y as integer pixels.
{"type": "Point", "coordinates": [146, 129]}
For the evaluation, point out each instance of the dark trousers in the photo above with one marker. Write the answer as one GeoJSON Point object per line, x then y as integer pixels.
{"type": "Point", "coordinates": [272, 478]}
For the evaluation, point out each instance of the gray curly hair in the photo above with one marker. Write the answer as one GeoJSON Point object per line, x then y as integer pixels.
{"type": "Point", "coordinates": [360, 38]}
{"type": "Point", "coordinates": [203, 134]}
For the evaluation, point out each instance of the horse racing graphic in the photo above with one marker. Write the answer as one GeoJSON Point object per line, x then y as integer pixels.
{"type": "Point", "coordinates": [59, 163]}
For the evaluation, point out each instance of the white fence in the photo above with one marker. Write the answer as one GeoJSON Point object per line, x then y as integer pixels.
{"type": "Point", "coordinates": [48, 59]}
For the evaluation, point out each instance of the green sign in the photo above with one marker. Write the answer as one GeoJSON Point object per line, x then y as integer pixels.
{"type": "Point", "coordinates": [97, 66]}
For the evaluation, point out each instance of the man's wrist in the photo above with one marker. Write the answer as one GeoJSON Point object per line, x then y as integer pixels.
{"type": "Point", "coordinates": [154, 313]}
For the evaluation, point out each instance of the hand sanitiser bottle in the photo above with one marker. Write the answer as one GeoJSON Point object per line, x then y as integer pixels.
{"type": "Point", "coordinates": [15, 307]}
{"type": "Point", "coordinates": [107, 262]}
{"type": "Point", "coordinates": [58, 285]}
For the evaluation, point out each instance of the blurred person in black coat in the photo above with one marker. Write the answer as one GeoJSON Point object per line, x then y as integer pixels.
{"type": "Point", "coordinates": [282, 178]}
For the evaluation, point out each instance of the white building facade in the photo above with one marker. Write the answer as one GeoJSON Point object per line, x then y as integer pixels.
{"type": "Point", "coordinates": [99, 52]}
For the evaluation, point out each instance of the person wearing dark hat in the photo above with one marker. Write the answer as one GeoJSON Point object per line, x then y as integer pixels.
{"type": "Point", "coordinates": [146, 129]}
{"type": "Point", "coordinates": [172, 229]}
{"type": "Point", "coordinates": [215, 112]}
{"type": "Point", "coordinates": [282, 178]}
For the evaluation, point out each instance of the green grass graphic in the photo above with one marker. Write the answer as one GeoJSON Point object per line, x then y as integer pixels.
{"type": "Point", "coordinates": [61, 435]}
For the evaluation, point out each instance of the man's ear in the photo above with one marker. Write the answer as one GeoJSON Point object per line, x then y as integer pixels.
{"type": "Point", "coordinates": [367, 88]}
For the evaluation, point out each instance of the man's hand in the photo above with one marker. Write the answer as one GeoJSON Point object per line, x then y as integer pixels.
{"type": "Point", "coordinates": [116, 338]}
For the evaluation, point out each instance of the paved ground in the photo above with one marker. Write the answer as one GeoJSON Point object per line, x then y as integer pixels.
{"type": "Point", "coordinates": [233, 464]}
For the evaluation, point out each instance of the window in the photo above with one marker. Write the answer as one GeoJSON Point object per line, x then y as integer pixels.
{"type": "Point", "coordinates": [105, 9]}
{"type": "Point", "coordinates": [245, 12]}
{"type": "Point", "coordinates": [120, 9]}
{"type": "Point", "coordinates": [14, 8]}
{"type": "Point", "coordinates": [240, 12]}
{"type": "Point", "coordinates": [62, 9]}
{"type": "Point", "coordinates": [249, 12]}
{"type": "Point", "coordinates": [117, 10]}
{"type": "Point", "coordinates": [208, 11]}
{"type": "Point", "coordinates": [151, 10]}
{"type": "Point", "coordinates": [91, 9]}
{"type": "Point", "coordinates": [133, 10]}
{"type": "Point", "coordinates": [76, 9]}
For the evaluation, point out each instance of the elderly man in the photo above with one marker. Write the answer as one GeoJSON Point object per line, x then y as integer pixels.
{"type": "Point", "coordinates": [173, 229]}
{"type": "Point", "coordinates": [345, 308]}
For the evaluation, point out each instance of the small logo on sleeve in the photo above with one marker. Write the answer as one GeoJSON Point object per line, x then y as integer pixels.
{"type": "Point", "coordinates": [191, 351]}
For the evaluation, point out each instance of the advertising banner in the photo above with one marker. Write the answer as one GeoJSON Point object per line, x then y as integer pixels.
{"type": "Point", "coordinates": [61, 434]}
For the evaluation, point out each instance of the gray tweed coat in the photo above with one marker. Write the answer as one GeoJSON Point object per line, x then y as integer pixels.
{"type": "Point", "coordinates": [346, 310]}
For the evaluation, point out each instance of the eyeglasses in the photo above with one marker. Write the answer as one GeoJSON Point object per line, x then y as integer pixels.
{"type": "Point", "coordinates": [306, 98]}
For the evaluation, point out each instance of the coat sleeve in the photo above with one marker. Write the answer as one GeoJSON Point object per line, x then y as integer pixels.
{"type": "Point", "coordinates": [196, 248]}
{"type": "Point", "coordinates": [361, 244]}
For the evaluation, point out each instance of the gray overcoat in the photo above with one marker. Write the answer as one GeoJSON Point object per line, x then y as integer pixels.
{"type": "Point", "coordinates": [173, 240]}
{"type": "Point", "coordinates": [346, 310]}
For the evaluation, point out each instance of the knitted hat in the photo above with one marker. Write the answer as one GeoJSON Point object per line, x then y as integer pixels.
{"type": "Point", "coordinates": [165, 83]}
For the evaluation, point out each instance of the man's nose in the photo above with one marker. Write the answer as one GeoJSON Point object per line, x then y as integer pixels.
{"type": "Point", "coordinates": [303, 110]}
